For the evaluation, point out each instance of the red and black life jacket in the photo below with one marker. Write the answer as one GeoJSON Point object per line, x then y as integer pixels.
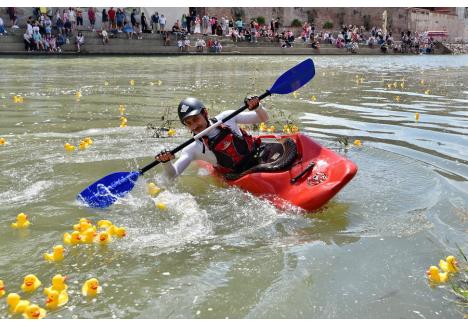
{"type": "Point", "coordinates": [233, 153]}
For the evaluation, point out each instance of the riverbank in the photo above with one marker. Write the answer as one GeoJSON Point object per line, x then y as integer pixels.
{"type": "Point", "coordinates": [153, 44]}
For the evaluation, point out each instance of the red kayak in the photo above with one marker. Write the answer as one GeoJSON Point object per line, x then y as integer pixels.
{"type": "Point", "coordinates": [312, 176]}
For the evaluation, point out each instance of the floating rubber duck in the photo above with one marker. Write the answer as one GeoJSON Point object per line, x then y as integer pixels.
{"type": "Point", "coordinates": [117, 231]}
{"type": "Point", "coordinates": [151, 84]}
{"type": "Point", "coordinates": [161, 206]}
{"type": "Point", "coordinates": [34, 312]}
{"type": "Point", "coordinates": [416, 116]}
{"type": "Point", "coordinates": [262, 127]}
{"type": "Point", "coordinates": [159, 83]}
{"type": "Point", "coordinates": [357, 143]}
{"type": "Point", "coordinates": [271, 129]}
{"type": "Point", "coordinates": [77, 94]}
{"type": "Point", "coordinates": [17, 305]}
{"type": "Point", "coordinates": [295, 94]}
{"type": "Point", "coordinates": [69, 147]}
{"type": "Point", "coordinates": [18, 99]}
{"type": "Point", "coordinates": [402, 85]}
{"type": "Point", "coordinates": [153, 190]}
{"type": "Point", "coordinates": [72, 239]}
{"type": "Point", "coordinates": [56, 255]}
{"type": "Point", "coordinates": [397, 98]}
{"type": "Point", "coordinates": [434, 275]}
{"type": "Point", "coordinates": [123, 119]}
{"type": "Point", "coordinates": [88, 140]}
{"type": "Point", "coordinates": [56, 299]}
{"type": "Point", "coordinates": [123, 125]}
{"type": "Point", "coordinates": [389, 85]}
{"type": "Point", "coordinates": [286, 129]}
{"type": "Point", "coordinates": [91, 288]}
{"type": "Point", "coordinates": [294, 128]}
{"type": "Point", "coordinates": [30, 283]}
{"type": "Point", "coordinates": [2, 141]}
{"type": "Point", "coordinates": [121, 109]}
{"type": "Point", "coordinates": [21, 221]}
{"type": "Point", "coordinates": [104, 238]}
{"type": "Point", "coordinates": [106, 83]}
{"type": "Point", "coordinates": [104, 224]}
{"type": "Point", "coordinates": [58, 284]}
{"type": "Point", "coordinates": [449, 266]}
{"type": "Point", "coordinates": [2, 289]}
{"type": "Point", "coordinates": [422, 82]}
{"type": "Point", "coordinates": [361, 80]}
{"type": "Point", "coordinates": [132, 82]}
{"type": "Point", "coordinates": [83, 145]}
{"type": "Point", "coordinates": [171, 132]}
{"type": "Point", "coordinates": [88, 236]}
{"type": "Point", "coordinates": [427, 92]}
{"type": "Point", "coordinates": [83, 225]}
{"type": "Point", "coordinates": [395, 85]}
{"type": "Point", "coordinates": [313, 98]}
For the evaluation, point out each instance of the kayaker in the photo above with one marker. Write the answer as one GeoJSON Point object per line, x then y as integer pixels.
{"type": "Point", "coordinates": [228, 148]}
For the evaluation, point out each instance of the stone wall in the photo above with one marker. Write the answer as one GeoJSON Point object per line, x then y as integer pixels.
{"type": "Point", "coordinates": [425, 20]}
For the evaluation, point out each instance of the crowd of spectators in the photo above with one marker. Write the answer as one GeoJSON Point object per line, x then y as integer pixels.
{"type": "Point", "coordinates": [48, 31]}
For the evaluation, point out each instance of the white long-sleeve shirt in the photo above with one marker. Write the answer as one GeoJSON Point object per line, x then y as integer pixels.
{"type": "Point", "coordinates": [197, 150]}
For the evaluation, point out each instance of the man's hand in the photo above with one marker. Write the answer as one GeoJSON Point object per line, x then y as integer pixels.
{"type": "Point", "coordinates": [252, 102]}
{"type": "Point", "coordinates": [164, 156]}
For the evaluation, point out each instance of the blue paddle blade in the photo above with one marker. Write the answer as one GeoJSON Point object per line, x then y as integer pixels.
{"type": "Point", "coordinates": [107, 190]}
{"type": "Point", "coordinates": [294, 78]}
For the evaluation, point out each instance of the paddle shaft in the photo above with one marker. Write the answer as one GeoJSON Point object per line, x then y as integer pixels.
{"type": "Point", "coordinates": [201, 134]}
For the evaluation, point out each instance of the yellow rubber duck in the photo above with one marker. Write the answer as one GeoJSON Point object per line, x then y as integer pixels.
{"type": "Point", "coordinates": [18, 99]}
{"type": "Point", "coordinates": [151, 83]}
{"type": "Point", "coordinates": [434, 275]}
{"type": "Point", "coordinates": [132, 82]}
{"type": "Point", "coordinates": [262, 127]}
{"type": "Point", "coordinates": [171, 132]}
{"type": "Point", "coordinates": [2, 289]}
{"type": "Point", "coordinates": [72, 239]}
{"type": "Point", "coordinates": [106, 83]}
{"type": "Point", "coordinates": [77, 94]}
{"type": "Point", "coordinates": [449, 266]}
{"type": "Point", "coordinates": [153, 190]}
{"type": "Point", "coordinates": [88, 236]}
{"type": "Point", "coordinates": [402, 85]}
{"type": "Point", "coordinates": [119, 232]}
{"type": "Point", "coordinates": [358, 143]}
{"type": "Point", "coordinates": [69, 147]}
{"type": "Point", "coordinates": [295, 94]}
{"type": "Point", "coordinates": [83, 225]}
{"type": "Point", "coordinates": [161, 206]}
{"type": "Point", "coordinates": [17, 305]}
{"type": "Point", "coordinates": [21, 221]}
{"type": "Point", "coordinates": [58, 284]}
{"type": "Point", "coordinates": [30, 283]}
{"type": "Point", "coordinates": [286, 129]}
{"type": "Point", "coordinates": [389, 85]}
{"type": "Point", "coordinates": [395, 85]}
{"type": "Point", "coordinates": [104, 224]}
{"type": "Point", "coordinates": [159, 82]}
{"type": "Point", "coordinates": [91, 288]}
{"type": "Point", "coordinates": [34, 312]}
{"type": "Point", "coordinates": [88, 140]}
{"type": "Point", "coordinates": [56, 255]}
{"type": "Point", "coordinates": [2, 141]}
{"type": "Point", "coordinates": [397, 98]}
{"type": "Point", "coordinates": [121, 109]}
{"type": "Point", "coordinates": [83, 145]}
{"type": "Point", "coordinates": [422, 82]}
{"type": "Point", "coordinates": [56, 299]}
{"type": "Point", "coordinates": [271, 129]}
{"type": "Point", "coordinates": [427, 92]}
{"type": "Point", "coordinates": [104, 238]}
{"type": "Point", "coordinates": [294, 128]}
{"type": "Point", "coordinates": [313, 98]}
{"type": "Point", "coordinates": [416, 116]}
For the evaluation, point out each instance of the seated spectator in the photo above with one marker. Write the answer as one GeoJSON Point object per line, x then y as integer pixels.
{"type": "Point", "coordinates": [61, 40]}
{"type": "Point", "coordinates": [79, 41]}
{"type": "Point", "coordinates": [128, 29]}
{"type": "Point", "coordinates": [37, 37]}
{"type": "Point", "coordinates": [187, 45]}
{"type": "Point", "coordinates": [2, 27]}
{"type": "Point", "coordinates": [180, 45]}
{"type": "Point", "coordinates": [53, 44]}
{"type": "Point", "coordinates": [200, 44]}
{"type": "Point", "coordinates": [29, 44]}
{"type": "Point", "coordinates": [217, 46]}
{"type": "Point", "coordinates": [105, 36]}
{"type": "Point", "coordinates": [235, 35]}
{"type": "Point", "coordinates": [137, 31]}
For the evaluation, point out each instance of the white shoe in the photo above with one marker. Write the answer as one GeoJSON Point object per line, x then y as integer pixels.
{"type": "Point", "coordinates": [15, 26]}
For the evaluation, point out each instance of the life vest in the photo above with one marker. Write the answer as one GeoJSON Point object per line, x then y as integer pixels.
{"type": "Point", "coordinates": [233, 153]}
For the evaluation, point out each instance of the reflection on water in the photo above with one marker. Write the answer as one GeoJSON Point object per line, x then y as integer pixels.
{"type": "Point", "coordinates": [216, 251]}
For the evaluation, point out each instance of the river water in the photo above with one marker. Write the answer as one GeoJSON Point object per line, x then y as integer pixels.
{"type": "Point", "coordinates": [216, 252]}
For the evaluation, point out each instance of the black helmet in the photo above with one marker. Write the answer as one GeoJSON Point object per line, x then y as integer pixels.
{"type": "Point", "coordinates": [189, 107]}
